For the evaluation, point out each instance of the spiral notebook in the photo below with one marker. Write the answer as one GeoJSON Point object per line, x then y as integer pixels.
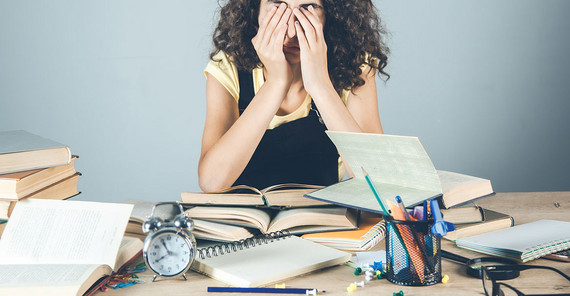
{"type": "Point", "coordinates": [372, 230]}
{"type": "Point", "coordinates": [523, 242]}
{"type": "Point", "coordinates": [264, 261]}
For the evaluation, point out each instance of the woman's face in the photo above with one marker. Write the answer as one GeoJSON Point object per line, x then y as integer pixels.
{"type": "Point", "coordinates": [291, 44]}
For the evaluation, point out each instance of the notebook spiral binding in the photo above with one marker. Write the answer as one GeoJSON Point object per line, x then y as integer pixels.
{"type": "Point", "coordinates": [376, 233]}
{"type": "Point", "coordinates": [222, 248]}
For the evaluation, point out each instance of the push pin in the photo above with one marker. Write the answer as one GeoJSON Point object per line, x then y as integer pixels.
{"type": "Point", "coordinates": [359, 284]}
{"type": "Point", "coordinates": [401, 293]}
{"type": "Point", "coordinates": [445, 279]}
{"type": "Point", "coordinates": [280, 286]}
{"type": "Point", "coordinates": [358, 271]}
{"type": "Point", "coordinates": [351, 288]}
{"type": "Point", "coordinates": [311, 292]}
{"type": "Point", "coordinates": [378, 265]}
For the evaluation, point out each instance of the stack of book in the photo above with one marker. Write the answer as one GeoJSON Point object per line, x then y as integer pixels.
{"type": "Point", "coordinates": [34, 167]}
{"type": "Point", "coordinates": [460, 194]}
{"type": "Point", "coordinates": [242, 212]}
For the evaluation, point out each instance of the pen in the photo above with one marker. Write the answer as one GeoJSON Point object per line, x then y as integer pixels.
{"type": "Point", "coordinates": [375, 192]}
{"type": "Point", "coordinates": [415, 234]}
{"type": "Point", "coordinates": [403, 208]}
{"type": "Point", "coordinates": [264, 290]}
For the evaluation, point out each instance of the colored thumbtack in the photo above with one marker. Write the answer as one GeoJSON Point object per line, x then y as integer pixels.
{"type": "Point", "coordinates": [351, 288]}
{"type": "Point", "coordinates": [357, 271]}
{"type": "Point", "coordinates": [311, 292]}
{"type": "Point", "coordinates": [359, 284]}
{"type": "Point", "coordinates": [401, 293]}
{"type": "Point", "coordinates": [280, 286]}
{"type": "Point", "coordinates": [445, 279]}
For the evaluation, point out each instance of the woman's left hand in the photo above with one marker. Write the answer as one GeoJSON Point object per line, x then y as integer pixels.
{"type": "Point", "coordinates": [313, 51]}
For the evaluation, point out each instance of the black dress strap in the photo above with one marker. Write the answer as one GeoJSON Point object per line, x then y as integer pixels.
{"type": "Point", "coordinates": [246, 92]}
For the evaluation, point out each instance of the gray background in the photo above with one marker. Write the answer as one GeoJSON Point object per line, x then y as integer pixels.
{"type": "Point", "coordinates": [483, 84]}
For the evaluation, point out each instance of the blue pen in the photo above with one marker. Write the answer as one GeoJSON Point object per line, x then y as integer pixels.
{"type": "Point", "coordinates": [264, 290]}
{"type": "Point", "coordinates": [403, 208]}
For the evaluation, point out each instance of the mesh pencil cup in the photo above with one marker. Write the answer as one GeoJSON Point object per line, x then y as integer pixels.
{"type": "Point", "coordinates": [413, 253]}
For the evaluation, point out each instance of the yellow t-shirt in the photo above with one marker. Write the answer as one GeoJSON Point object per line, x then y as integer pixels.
{"type": "Point", "coordinates": [227, 74]}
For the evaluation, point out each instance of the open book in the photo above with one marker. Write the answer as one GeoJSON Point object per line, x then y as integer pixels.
{"type": "Point", "coordinates": [202, 229]}
{"type": "Point", "coordinates": [397, 165]}
{"type": "Point", "coordinates": [282, 195]}
{"type": "Point", "coordinates": [295, 220]}
{"type": "Point", "coordinates": [65, 249]}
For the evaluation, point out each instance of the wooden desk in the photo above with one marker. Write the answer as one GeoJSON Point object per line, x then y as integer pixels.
{"type": "Point", "coordinates": [524, 207]}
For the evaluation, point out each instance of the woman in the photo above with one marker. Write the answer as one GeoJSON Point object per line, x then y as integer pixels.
{"type": "Point", "coordinates": [281, 73]}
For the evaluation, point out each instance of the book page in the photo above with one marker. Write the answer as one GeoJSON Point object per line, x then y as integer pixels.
{"type": "Point", "coordinates": [388, 159]}
{"type": "Point", "coordinates": [56, 231]}
{"type": "Point", "coordinates": [18, 278]}
{"type": "Point", "coordinates": [355, 193]}
{"type": "Point", "coordinates": [450, 180]}
{"type": "Point", "coordinates": [269, 262]}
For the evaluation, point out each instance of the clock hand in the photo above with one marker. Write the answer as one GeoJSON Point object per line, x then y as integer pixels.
{"type": "Point", "coordinates": [161, 258]}
{"type": "Point", "coordinates": [167, 250]}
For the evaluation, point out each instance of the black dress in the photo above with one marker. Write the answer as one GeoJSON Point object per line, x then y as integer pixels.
{"type": "Point", "coordinates": [294, 152]}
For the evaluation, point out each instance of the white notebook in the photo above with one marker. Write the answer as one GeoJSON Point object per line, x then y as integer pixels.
{"type": "Point", "coordinates": [522, 242]}
{"type": "Point", "coordinates": [269, 262]}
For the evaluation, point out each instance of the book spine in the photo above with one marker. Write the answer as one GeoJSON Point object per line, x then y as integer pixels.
{"type": "Point", "coordinates": [223, 248]}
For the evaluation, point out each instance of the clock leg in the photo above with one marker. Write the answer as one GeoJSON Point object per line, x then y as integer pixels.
{"type": "Point", "coordinates": [184, 276]}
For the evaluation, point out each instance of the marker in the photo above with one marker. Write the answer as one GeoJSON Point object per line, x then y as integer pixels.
{"type": "Point", "coordinates": [367, 178]}
{"type": "Point", "coordinates": [264, 290]}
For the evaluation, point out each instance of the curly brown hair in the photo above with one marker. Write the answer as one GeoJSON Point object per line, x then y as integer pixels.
{"type": "Point", "coordinates": [353, 31]}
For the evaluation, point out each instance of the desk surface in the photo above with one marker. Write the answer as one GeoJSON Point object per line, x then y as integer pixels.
{"type": "Point", "coordinates": [524, 207]}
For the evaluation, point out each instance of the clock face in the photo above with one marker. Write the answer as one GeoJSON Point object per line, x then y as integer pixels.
{"type": "Point", "coordinates": [169, 253]}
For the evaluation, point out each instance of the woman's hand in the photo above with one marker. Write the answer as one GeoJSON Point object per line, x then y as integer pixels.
{"type": "Point", "coordinates": [268, 44]}
{"type": "Point", "coordinates": [313, 48]}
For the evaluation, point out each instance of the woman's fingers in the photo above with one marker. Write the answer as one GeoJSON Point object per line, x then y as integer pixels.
{"type": "Point", "coordinates": [307, 26]}
{"type": "Point", "coordinates": [263, 24]}
{"type": "Point", "coordinates": [274, 22]}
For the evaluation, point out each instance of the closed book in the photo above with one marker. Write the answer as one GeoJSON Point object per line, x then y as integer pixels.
{"type": "Point", "coordinates": [15, 186]}
{"type": "Point", "coordinates": [370, 232]}
{"type": "Point", "coordinates": [464, 214]}
{"type": "Point", "coordinates": [60, 190]}
{"type": "Point", "coordinates": [523, 242]}
{"type": "Point", "coordinates": [492, 221]}
{"type": "Point", "coordinates": [459, 189]}
{"type": "Point", "coordinates": [23, 151]}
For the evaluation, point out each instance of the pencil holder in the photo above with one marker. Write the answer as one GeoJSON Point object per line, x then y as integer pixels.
{"type": "Point", "coordinates": [413, 253]}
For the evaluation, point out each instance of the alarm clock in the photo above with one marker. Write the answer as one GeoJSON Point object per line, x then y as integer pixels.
{"type": "Point", "coordinates": [169, 248]}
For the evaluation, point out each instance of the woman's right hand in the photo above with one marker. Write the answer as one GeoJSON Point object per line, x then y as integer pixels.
{"type": "Point", "coordinates": [268, 44]}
